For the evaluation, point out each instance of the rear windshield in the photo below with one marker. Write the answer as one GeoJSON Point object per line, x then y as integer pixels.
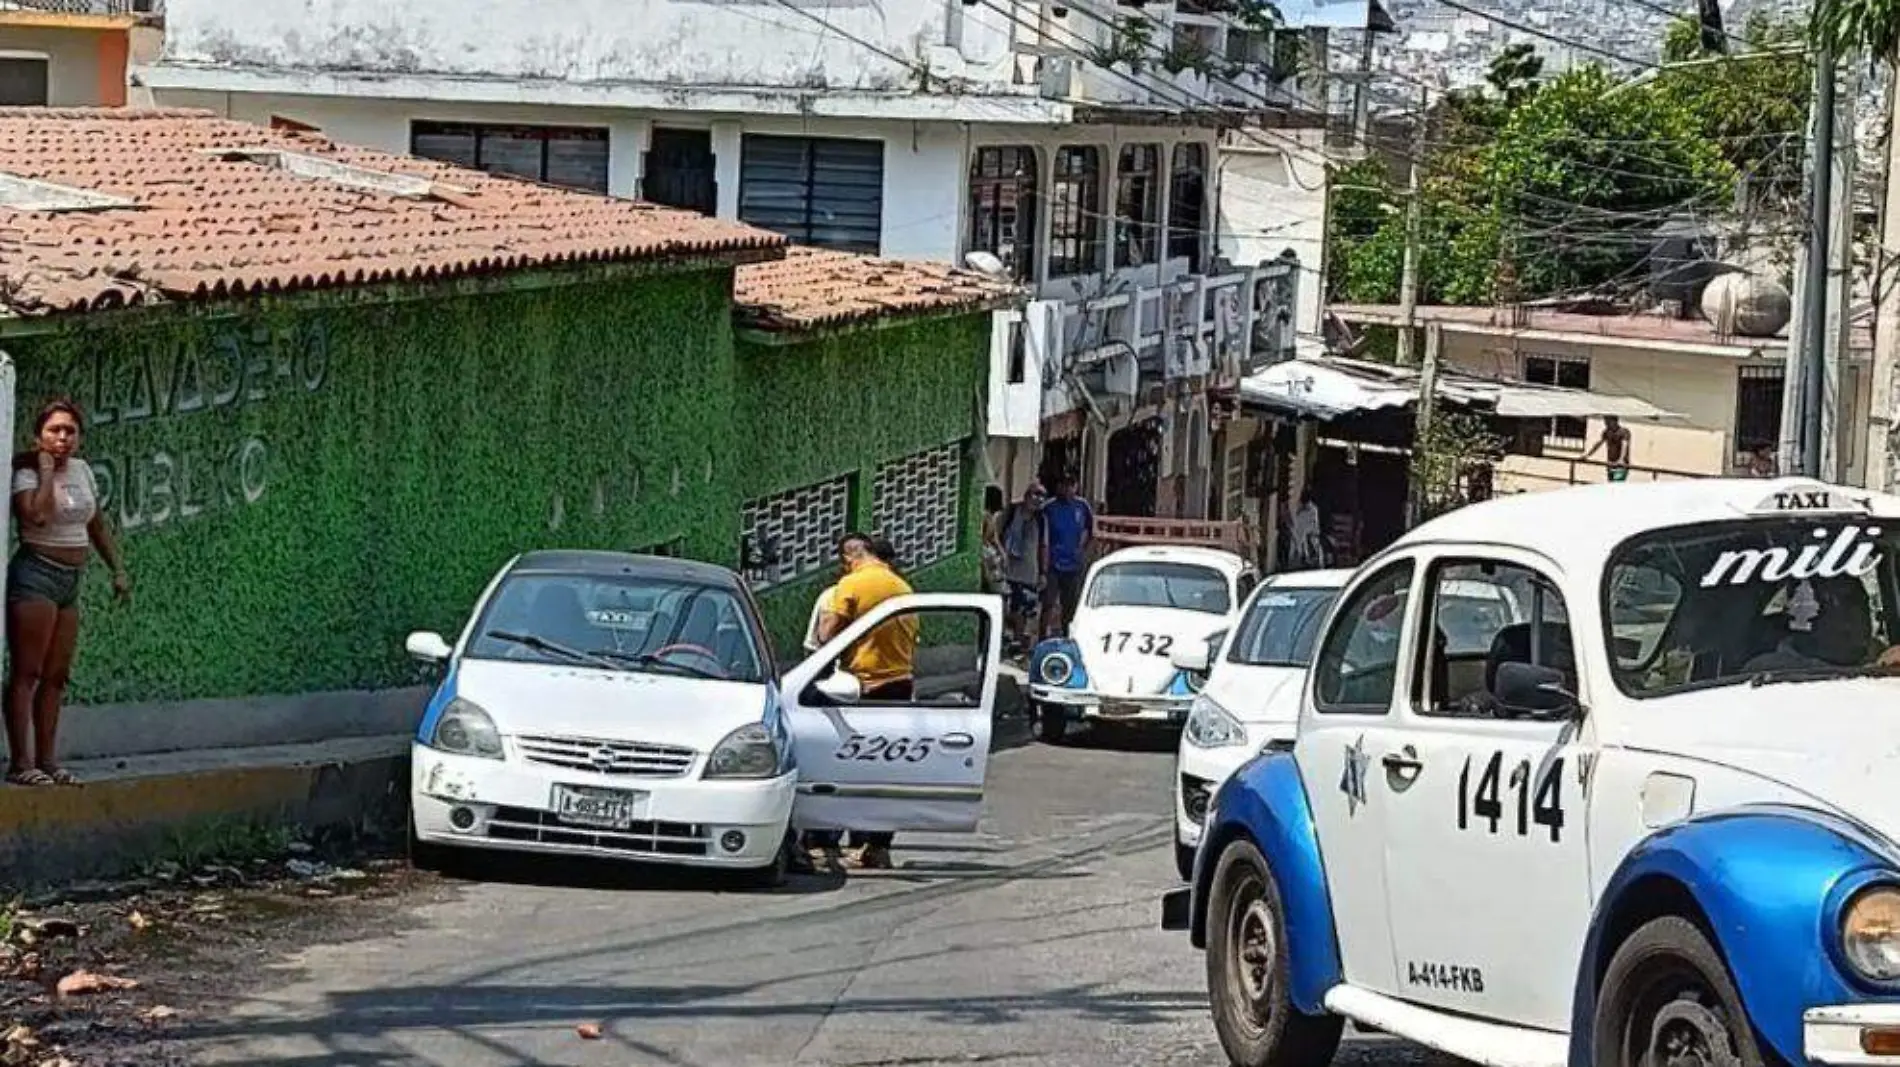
{"type": "Point", "coordinates": [1723, 603]}
{"type": "Point", "coordinates": [1280, 627]}
{"type": "Point", "coordinates": [1153, 584]}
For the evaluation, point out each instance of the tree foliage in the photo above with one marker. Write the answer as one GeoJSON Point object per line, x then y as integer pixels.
{"type": "Point", "coordinates": [1870, 26]}
{"type": "Point", "coordinates": [1535, 186]}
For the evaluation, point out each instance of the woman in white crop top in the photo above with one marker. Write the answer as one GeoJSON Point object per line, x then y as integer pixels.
{"type": "Point", "coordinates": [56, 502]}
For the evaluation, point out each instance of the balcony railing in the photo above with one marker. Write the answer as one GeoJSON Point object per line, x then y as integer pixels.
{"type": "Point", "coordinates": [86, 7]}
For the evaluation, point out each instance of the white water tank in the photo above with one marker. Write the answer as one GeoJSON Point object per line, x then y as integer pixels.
{"type": "Point", "coordinates": [1746, 305]}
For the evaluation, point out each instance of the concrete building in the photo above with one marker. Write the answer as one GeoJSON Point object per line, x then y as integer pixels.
{"type": "Point", "coordinates": [1724, 390]}
{"type": "Point", "coordinates": [1075, 144]}
{"type": "Point", "coordinates": [74, 53]}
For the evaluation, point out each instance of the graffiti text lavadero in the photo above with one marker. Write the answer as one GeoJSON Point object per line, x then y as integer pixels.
{"type": "Point", "coordinates": [187, 475]}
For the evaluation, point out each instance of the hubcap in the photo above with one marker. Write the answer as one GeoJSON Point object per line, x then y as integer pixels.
{"type": "Point", "coordinates": [1687, 1033]}
{"type": "Point", "coordinates": [1259, 951]}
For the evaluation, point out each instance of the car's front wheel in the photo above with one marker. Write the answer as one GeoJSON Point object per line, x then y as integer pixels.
{"type": "Point", "coordinates": [434, 859]}
{"type": "Point", "coordinates": [772, 875]}
{"type": "Point", "coordinates": [1667, 998]}
{"type": "Point", "coordinates": [1248, 971]}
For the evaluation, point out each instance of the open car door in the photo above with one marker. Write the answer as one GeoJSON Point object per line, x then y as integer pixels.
{"type": "Point", "coordinates": [914, 764]}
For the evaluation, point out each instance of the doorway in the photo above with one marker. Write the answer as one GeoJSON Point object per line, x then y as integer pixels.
{"type": "Point", "coordinates": [1134, 470]}
{"type": "Point", "coordinates": [681, 171]}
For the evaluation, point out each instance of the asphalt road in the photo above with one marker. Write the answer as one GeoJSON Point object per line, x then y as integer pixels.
{"type": "Point", "coordinates": [1035, 941]}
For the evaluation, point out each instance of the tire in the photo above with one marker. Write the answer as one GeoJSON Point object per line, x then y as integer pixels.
{"type": "Point", "coordinates": [1668, 983]}
{"type": "Point", "coordinates": [1051, 724]}
{"type": "Point", "coordinates": [1253, 1013]}
{"type": "Point", "coordinates": [1184, 861]}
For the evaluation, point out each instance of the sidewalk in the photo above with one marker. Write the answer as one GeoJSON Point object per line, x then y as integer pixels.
{"type": "Point", "coordinates": [133, 809]}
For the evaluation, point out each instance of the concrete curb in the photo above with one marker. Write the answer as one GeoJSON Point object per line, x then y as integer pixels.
{"type": "Point", "coordinates": [128, 815]}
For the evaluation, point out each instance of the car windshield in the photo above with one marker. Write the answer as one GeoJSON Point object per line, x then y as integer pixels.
{"type": "Point", "coordinates": [1280, 627]}
{"type": "Point", "coordinates": [1757, 601]}
{"type": "Point", "coordinates": [1154, 584]}
{"type": "Point", "coordinates": [630, 622]}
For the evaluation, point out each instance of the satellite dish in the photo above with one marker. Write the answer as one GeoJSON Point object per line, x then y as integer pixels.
{"type": "Point", "coordinates": [985, 263]}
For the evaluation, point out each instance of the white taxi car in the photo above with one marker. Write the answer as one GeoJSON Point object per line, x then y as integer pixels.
{"type": "Point", "coordinates": [1139, 605]}
{"type": "Point", "coordinates": [613, 705]}
{"type": "Point", "coordinates": [1251, 697]}
{"type": "Point", "coordinates": [1651, 825]}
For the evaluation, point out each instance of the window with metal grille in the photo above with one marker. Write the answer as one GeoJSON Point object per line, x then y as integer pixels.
{"type": "Point", "coordinates": [1075, 212]}
{"type": "Point", "coordinates": [1137, 205]}
{"type": "Point", "coordinates": [1567, 374]}
{"type": "Point", "coordinates": [1003, 207]}
{"type": "Point", "coordinates": [23, 81]}
{"type": "Point", "coordinates": [917, 502]}
{"type": "Point", "coordinates": [1757, 409]}
{"type": "Point", "coordinates": [1187, 203]}
{"type": "Point", "coordinates": [574, 157]}
{"type": "Point", "coordinates": [793, 534]}
{"type": "Point", "coordinates": [823, 191]}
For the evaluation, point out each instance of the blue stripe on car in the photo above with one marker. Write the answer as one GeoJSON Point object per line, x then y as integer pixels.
{"type": "Point", "coordinates": [1078, 678]}
{"type": "Point", "coordinates": [444, 693]}
{"type": "Point", "coordinates": [1265, 802]}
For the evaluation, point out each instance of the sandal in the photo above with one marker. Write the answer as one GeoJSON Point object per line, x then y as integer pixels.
{"type": "Point", "coordinates": [30, 776]}
{"type": "Point", "coordinates": [61, 776]}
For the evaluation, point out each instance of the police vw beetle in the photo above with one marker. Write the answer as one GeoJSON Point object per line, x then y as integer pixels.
{"type": "Point", "coordinates": [1652, 823]}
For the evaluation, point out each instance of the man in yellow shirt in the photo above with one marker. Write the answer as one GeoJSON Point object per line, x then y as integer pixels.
{"type": "Point", "coordinates": [883, 660]}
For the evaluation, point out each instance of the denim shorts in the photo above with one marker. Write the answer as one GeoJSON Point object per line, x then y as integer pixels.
{"type": "Point", "coordinates": [31, 576]}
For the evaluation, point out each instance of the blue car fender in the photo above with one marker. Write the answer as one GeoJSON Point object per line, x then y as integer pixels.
{"type": "Point", "coordinates": [1768, 884]}
{"type": "Point", "coordinates": [1265, 802]}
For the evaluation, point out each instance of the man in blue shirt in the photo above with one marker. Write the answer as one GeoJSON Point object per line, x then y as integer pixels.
{"type": "Point", "coordinates": [1071, 524]}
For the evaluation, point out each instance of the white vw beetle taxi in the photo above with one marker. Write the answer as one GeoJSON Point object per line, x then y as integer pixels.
{"type": "Point", "coordinates": [1139, 606]}
{"type": "Point", "coordinates": [627, 706]}
{"type": "Point", "coordinates": [1652, 824]}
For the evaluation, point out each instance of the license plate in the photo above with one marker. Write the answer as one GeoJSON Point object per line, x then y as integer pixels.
{"type": "Point", "coordinates": [611, 809]}
{"type": "Point", "coordinates": [1116, 710]}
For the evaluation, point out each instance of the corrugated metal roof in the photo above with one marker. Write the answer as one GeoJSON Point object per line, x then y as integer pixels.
{"type": "Point", "coordinates": [1327, 388]}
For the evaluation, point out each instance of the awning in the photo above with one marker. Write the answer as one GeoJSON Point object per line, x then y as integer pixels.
{"type": "Point", "coordinates": [1329, 387]}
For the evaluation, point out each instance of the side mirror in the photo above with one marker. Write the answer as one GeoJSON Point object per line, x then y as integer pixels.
{"type": "Point", "coordinates": [1534, 691]}
{"type": "Point", "coordinates": [1193, 658]}
{"type": "Point", "coordinates": [428, 646]}
{"type": "Point", "coordinates": [840, 686]}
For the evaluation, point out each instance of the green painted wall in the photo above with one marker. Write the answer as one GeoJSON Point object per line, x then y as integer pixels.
{"type": "Point", "coordinates": [297, 489]}
{"type": "Point", "coordinates": [843, 404]}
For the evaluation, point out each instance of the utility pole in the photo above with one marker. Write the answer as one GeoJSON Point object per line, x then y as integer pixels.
{"type": "Point", "coordinates": [1834, 462]}
{"type": "Point", "coordinates": [1408, 272]}
{"type": "Point", "coordinates": [1883, 442]}
{"type": "Point", "coordinates": [1422, 424]}
{"type": "Point", "coordinates": [1807, 385]}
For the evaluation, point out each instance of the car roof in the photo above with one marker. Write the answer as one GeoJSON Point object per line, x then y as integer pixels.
{"type": "Point", "coordinates": [1223, 561]}
{"type": "Point", "coordinates": [596, 562]}
{"type": "Point", "coordinates": [1329, 578]}
{"type": "Point", "coordinates": [1587, 522]}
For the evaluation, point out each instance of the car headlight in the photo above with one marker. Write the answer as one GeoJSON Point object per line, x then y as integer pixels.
{"type": "Point", "coordinates": [1870, 933]}
{"type": "Point", "coordinates": [748, 752]}
{"type": "Point", "coordinates": [465, 729]}
{"type": "Point", "coordinates": [1057, 668]}
{"type": "Point", "coordinates": [1210, 726]}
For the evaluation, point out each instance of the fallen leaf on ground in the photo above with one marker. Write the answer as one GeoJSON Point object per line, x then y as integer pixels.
{"type": "Point", "coordinates": [20, 1037]}
{"type": "Point", "coordinates": [159, 1012]}
{"type": "Point", "coordinates": [58, 1061]}
{"type": "Point", "coordinates": [82, 982]}
{"type": "Point", "coordinates": [588, 1031]}
{"type": "Point", "coordinates": [138, 920]}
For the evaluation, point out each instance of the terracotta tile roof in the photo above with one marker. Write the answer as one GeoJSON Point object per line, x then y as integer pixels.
{"type": "Point", "coordinates": [813, 288]}
{"type": "Point", "coordinates": [207, 226]}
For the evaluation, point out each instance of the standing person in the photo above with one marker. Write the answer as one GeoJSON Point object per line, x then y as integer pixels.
{"type": "Point", "coordinates": [1761, 461]}
{"type": "Point", "coordinates": [1615, 441]}
{"type": "Point", "coordinates": [1306, 545]}
{"type": "Point", "coordinates": [883, 661]}
{"type": "Point", "coordinates": [994, 580]}
{"type": "Point", "coordinates": [57, 504]}
{"type": "Point", "coordinates": [1071, 525]}
{"type": "Point", "coordinates": [1025, 561]}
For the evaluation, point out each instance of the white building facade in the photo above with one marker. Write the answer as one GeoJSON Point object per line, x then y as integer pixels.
{"type": "Point", "coordinates": [1078, 145]}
